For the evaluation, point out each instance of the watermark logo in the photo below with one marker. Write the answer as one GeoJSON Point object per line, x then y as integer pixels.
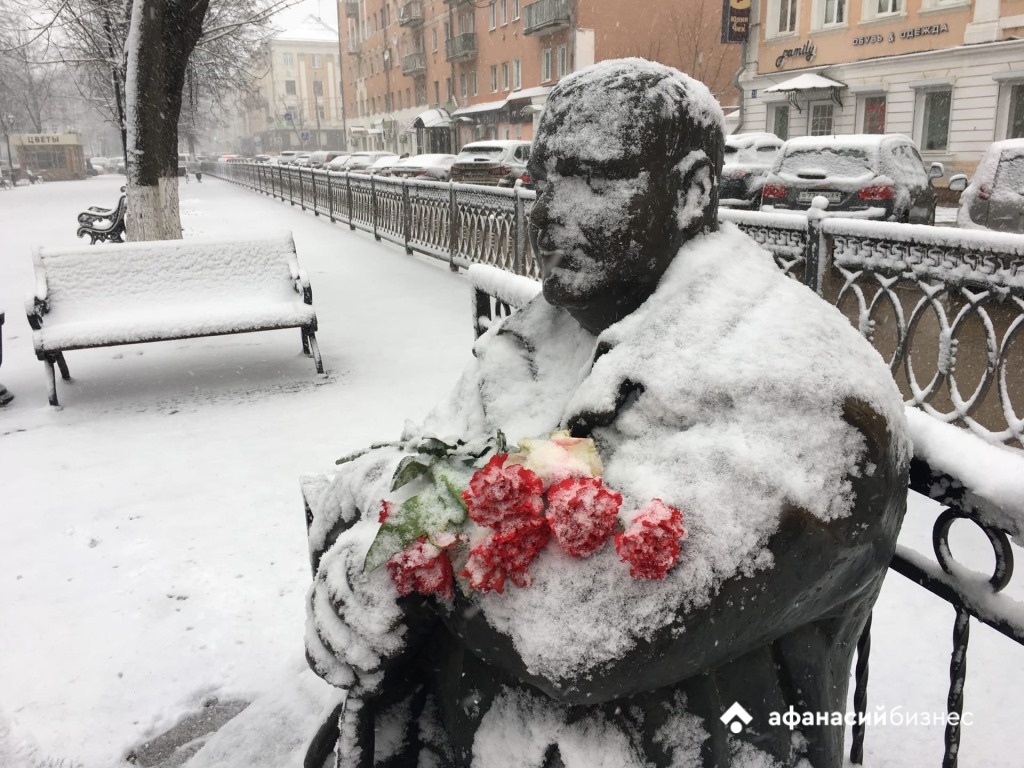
{"type": "Point", "coordinates": [736, 717]}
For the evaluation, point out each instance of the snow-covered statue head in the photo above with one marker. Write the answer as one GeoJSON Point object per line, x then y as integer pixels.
{"type": "Point", "coordinates": [626, 160]}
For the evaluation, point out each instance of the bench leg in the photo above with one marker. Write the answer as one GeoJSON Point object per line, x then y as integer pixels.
{"type": "Point", "coordinates": [314, 350]}
{"type": "Point", "coordinates": [305, 342]}
{"type": "Point", "coordinates": [51, 381]}
{"type": "Point", "coordinates": [63, 367]}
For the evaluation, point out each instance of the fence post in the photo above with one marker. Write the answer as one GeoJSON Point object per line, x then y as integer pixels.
{"type": "Point", "coordinates": [330, 198]}
{"type": "Point", "coordinates": [373, 207]}
{"type": "Point", "coordinates": [453, 228]}
{"type": "Point", "coordinates": [813, 261]}
{"type": "Point", "coordinates": [291, 196]}
{"type": "Point", "coordinates": [406, 216]}
{"type": "Point", "coordinates": [348, 189]}
{"type": "Point", "coordinates": [302, 189]}
{"type": "Point", "coordinates": [312, 178]}
{"type": "Point", "coordinates": [519, 234]}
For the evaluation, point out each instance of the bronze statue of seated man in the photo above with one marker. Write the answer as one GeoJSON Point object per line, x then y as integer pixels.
{"type": "Point", "coordinates": [732, 416]}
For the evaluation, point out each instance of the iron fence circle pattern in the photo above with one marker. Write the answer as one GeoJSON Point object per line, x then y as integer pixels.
{"type": "Point", "coordinates": [1002, 573]}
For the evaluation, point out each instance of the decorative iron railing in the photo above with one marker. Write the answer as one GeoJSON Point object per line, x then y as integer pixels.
{"type": "Point", "coordinates": [414, 63]}
{"type": "Point", "coordinates": [460, 47]}
{"type": "Point", "coordinates": [916, 292]}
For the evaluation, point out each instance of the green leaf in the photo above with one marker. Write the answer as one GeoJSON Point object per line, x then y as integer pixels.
{"type": "Point", "coordinates": [396, 533]}
{"type": "Point", "coordinates": [408, 470]}
{"type": "Point", "coordinates": [351, 456]}
{"type": "Point", "coordinates": [434, 447]}
{"type": "Point", "coordinates": [454, 492]}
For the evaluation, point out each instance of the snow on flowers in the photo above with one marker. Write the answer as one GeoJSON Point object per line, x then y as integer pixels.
{"type": "Point", "coordinates": [452, 521]}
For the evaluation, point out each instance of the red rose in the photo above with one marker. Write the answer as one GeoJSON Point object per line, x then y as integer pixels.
{"type": "Point", "coordinates": [651, 542]}
{"type": "Point", "coordinates": [385, 511]}
{"type": "Point", "coordinates": [502, 497]}
{"type": "Point", "coordinates": [506, 555]}
{"type": "Point", "coordinates": [582, 513]}
{"type": "Point", "coordinates": [424, 568]}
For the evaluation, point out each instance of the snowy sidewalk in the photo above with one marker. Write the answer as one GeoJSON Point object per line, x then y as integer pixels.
{"type": "Point", "coordinates": [153, 544]}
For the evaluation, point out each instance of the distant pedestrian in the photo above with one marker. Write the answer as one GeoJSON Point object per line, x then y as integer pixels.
{"type": "Point", "coordinates": [193, 166]}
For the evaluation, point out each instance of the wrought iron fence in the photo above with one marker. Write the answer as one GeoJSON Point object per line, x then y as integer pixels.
{"type": "Point", "coordinates": [945, 307]}
{"type": "Point", "coordinates": [489, 225]}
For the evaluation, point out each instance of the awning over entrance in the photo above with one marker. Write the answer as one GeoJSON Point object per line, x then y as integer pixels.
{"type": "Point", "coordinates": [432, 118]}
{"type": "Point", "coordinates": [801, 85]}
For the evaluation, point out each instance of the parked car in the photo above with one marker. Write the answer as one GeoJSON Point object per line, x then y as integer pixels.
{"type": "Point", "coordinates": [433, 167]}
{"type": "Point", "coordinates": [287, 157]}
{"type": "Point", "coordinates": [495, 163]}
{"type": "Point", "coordinates": [356, 161]}
{"type": "Point", "coordinates": [748, 159]}
{"type": "Point", "coordinates": [995, 197]}
{"type": "Point", "coordinates": [302, 160]}
{"type": "Point", "coordinates": [261, 158]}
{"type": "Point", "coordinates": [870, 176]}
{"type": "Point", "coordinates": [322, 157]}
{"type": "Point", "coordinates": [379, 167]}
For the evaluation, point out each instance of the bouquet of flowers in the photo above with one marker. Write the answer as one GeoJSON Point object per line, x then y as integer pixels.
{"type": "Point", "coordinates": [486, 512]}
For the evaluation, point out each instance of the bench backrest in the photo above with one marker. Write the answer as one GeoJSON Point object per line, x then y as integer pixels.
{"type": "Point", "coordinates": [146, 274]}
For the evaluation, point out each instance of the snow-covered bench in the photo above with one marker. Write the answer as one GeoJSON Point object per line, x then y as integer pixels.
{"type": "Point", "coordinates": [105, 224]}
{"type": "Point", "coordinates": [165, 290]}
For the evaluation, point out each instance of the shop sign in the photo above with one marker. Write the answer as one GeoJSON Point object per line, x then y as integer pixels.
{"type": "Point", "coordinates": [735, 20]}
{"type": "Point", "coordinates": [806, 51]}
{"type": "Point", "coordinates": [903, 34]}
{"type": "Point", "coordinates": [42, 139]}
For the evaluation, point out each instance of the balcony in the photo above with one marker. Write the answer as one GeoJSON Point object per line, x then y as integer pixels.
{"type": "Point", "coordinates": [461, 47]}
{"type": "Point", "coordinates": [545, 15]}
{"type": "Point", "coordinates": [411, 14]}
{"type": "Point", "coordinates": [353, 46]}
{"type": "Point", "coordinates": [352, 9]}
{"type": "Point", "coordinates": [414, 64]}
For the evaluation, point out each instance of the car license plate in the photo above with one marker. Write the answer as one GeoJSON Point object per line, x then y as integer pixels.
{"type": "Point", "coordinates": [809, 194]}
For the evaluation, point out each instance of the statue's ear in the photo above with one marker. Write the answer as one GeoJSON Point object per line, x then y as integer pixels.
{"type": "Point", "coordinates": [695, 191]}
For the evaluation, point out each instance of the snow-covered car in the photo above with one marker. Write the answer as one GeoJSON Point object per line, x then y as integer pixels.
{"type": "Point", "coordinates": [431, 166]}
{"type": "Point", "coordinates": [302, 160]}
{"type": "Point", "coordinates": [995, 197]}
{"type": "Point", "coordinates": [379, 167]}
{"type": "Point", "coordinates": [287, 157]}
{"type": "Point", "coordinates": [495, 163]}
{"type": "Point", "coordinates": [357, 161]}
{"type": "Point", "coordinates": [322, 157]}
{"type": "Point", "coordinates": [748, 159]}
{"type": "Point", "coordinates": [869, 176]}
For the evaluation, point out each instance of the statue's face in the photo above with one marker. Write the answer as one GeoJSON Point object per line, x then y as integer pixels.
{"type": "Point", "coordinates": [603, 225]}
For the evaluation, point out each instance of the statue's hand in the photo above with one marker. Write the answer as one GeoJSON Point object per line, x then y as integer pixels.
{"type": "Point", "coordinates": [354, 623]}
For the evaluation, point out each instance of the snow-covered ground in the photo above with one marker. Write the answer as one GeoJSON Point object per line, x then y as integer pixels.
{"type": "Point", "coordinates": [152, 542]}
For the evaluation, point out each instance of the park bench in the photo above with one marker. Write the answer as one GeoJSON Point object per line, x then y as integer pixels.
{"type": "Point", "coordinates": [105, 224]}
{"type": "Point", "coordinates": [166, 290]}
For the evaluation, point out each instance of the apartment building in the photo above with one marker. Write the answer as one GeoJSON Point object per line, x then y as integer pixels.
{"type": "Point", "coordinates": [432, 75]}
{"type": "Point", "coordinates": [296, 102]}
{"type": "Point", "coordinates": [948, 73]}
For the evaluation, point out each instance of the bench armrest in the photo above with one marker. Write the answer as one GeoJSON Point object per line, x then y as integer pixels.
{"type": "Point", "coordinates": [302, 285]}
{"type": "Point", "coordinates": [35, 308]}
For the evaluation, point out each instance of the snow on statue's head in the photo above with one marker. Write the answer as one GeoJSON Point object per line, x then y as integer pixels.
{"type": "Point", "coordinates": [626, 160]}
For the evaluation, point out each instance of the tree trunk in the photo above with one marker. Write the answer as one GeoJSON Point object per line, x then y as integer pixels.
{"type": "Point", "coordinates": [162, 37]}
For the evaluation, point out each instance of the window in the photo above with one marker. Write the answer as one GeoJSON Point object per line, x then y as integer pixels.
{"type": "Point", "coordinates": [289, 87]}
{"type": "Point", "coordinates": [493, 14]}
{"type": "Point", "coordinates": [449, 89]}
{"type": "Point", "coordinates": [494, 78]}
{"type": "Point", "coordinates": [463, 85]}
{"type": "Point", "coordinates": [545, 65]}
{"type": "Point", "coordinates": [821, 119]}
{"type": "Point", "coordinates": [835, 12]}
{"type": "Point", "coordinates": [472, 83]}
{"type": "Point", "coordinates": [778, 120]}
{"type": "Point", "coordinates": [316, 61]}
{"type": "Point", "coordinates": [433, 38]}
{"type": "Point", "coordinates": [787, 16]}
{"type": "Point", "coordinates": [515, 10]}
{"type": "Point", "coordinates": [1015, 124]}
{"type": "Point", "coordinates": [437, 92]}
{"type": "Point", "coordinates": [935, 106]}
{"type": "Point", "coordinates": [874, 114]}
{"type": "Point", "coordinates": [399, 99]}
{"type": "Point", "coordinates": [504, 11]}
{"type": "Point", "coordinates": [563, 60]}
{"type": "Point", "coordinates": [320, 112]}
{"type": "Point", "coordinates": [288, 59]}
{"type": "Point", "coordinates": [517, 75]}
{"type": "Point", "coordinates": [888, 7]}
{"type": "Point", "coordinates": [505, 80]}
